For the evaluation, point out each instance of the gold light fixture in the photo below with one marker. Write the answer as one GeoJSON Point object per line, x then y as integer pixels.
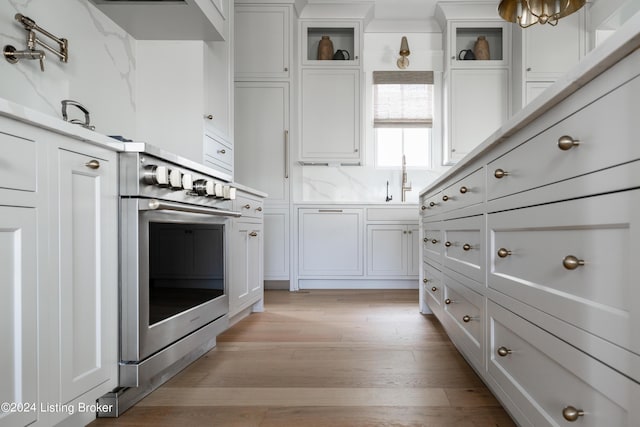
{"type": "Point", "coordinates": [529, 12]}
{"type": "Point", "coordinates": [403, 61]}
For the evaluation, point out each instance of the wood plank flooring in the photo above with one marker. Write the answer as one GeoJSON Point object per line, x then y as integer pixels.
{"type": "Point", "coordinates": [326, 358]}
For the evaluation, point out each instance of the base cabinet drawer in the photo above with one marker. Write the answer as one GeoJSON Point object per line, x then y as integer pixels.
{"type": "Point", "coordinates": [433, 289]}
{"type": "Point", "coordinates": [467, 192]}
{"type": "Point", "coordinates": [551, 382]}
{"type": "Point", "coordinates": [463, 319]}
{"type": "Point", "coordinates": [463, 245]}
{"type": "Point", "coordinates": [432, 248]}
{"type": "Point", "coordinates": [571, 260]}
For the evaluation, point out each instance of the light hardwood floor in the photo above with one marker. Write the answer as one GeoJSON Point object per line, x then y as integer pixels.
{"type": "Point", "coordinates": [326, 358]}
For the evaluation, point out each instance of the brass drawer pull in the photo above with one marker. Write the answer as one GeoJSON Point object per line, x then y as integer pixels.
{"type": "Point", "coordinates": [445, 198]}
{"type": "Point", "coordinates": [572, 414]}
{"type": "Point", "coordinates": [565, 143]}
{"type": "Point", "coordinates": [432, 204]}
{"type": "Point", "coordinates": [434, 241]}
{"type": "Point", "coordinates": [499, 173]}
{"type": "Point", "coordinates": [463, 190]}
{"type": "Point", "coordinates": [570, 262]}
{"type": "Point", "coordinates": [425, 240]}
{"type": "Point", "coordinates": [434, 289]}
{"type": "Point", "coordinates": [92, 164]}
{"type": "Point", "coordinates": [466, 247]}
{"type": "Point", "coordinates": [223, 151]}
{"type": "Point", "coordinates": [425, 280]}
{"type": "Point", "coordinates": [253, 234]}
{"type": "Point", "coordinates": [447, 244]}
{"type": "Point", "coordinates": [503, 351]}
{"type": "Point", "coordinates": [466, 319]}
{"type": "Point", "coordinates": [259, 208]}
{"type": "Point", "coordinates": [423, 207]}
{"type": "Point", "coordinates": [247, 206]}
{"type": "Point", "coordinates": [503, 253]}
{"type": "Point", "coordinates": [448, 301]}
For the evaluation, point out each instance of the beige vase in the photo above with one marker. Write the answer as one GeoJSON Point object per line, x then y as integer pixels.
{"type": "Point", "coordinates": [325, 48]}
{"type": "Point", "coordinates": [481, 49]}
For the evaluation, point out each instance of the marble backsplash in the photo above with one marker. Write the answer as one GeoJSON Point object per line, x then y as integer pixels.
{"type": "Point", "coordinates": [100, 72]}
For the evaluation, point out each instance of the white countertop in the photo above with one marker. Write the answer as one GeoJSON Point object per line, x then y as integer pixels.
{"type": "Point", "coordinates": [54, 124]}
{"type": "Point", "coordinates": [621, 43]}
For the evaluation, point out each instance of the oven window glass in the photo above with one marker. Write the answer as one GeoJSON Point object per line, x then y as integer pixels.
{"type": "Point", "coordinates": [186, 267]}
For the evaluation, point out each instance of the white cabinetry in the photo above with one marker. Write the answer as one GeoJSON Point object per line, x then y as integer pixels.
{"type": "Point", "coordinates": [476, 92]}
{"type": "Point", "coordinates": [331, 242]}
{"type": "Point", "coordinates": [246, 284]}
{"type": "Point", "coordinates": [276, 238]}
{"type": "Point", "coordinates": [186, 116]}
{"type": "Point", "coordinates": [392, 250]}
{"type": "Point", "coordinates": [525, 304]}
{"type": "Point", "coordinates": [262, 42]}
{"type": "Point", "coordinates": [59, 264]}
{"type": "Point", "coordinates": [330, 94]}
{"type": "Point", "coordinates": [330, 115]}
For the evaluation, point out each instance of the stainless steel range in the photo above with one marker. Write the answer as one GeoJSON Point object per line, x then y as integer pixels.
{"type": "Point", "coordinates": [174, 222]}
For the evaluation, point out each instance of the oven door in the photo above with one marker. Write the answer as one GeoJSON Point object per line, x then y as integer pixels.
{"type": "Point", "coordinates": [173, 273]}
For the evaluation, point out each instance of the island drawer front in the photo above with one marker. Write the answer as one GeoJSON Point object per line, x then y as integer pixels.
{"type": "Point", "coordinates": [463, 245]}
{"type": "Point", "coordinates": [543, 375]}
{"type": "Point", "coordinates": [602, 144]}
{"type": "Point", "coordinates": [430, 204]}
{"type": "Point", "coordinates": [464, 318]}
{"type": "Point", "coordinates": [19, 162]}
{"type": "Point", "coordinates": [252, 207]}
{"type": "Point", "coordinates": [535, 268]}
{"type": "Point", "coordinates": [432, 283]}
{"type": "Point", "coordinates": [432, 242]}
{"type": "Point", "coordinates": [468, 191]}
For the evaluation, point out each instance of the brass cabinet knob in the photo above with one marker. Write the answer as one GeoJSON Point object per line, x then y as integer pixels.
{"type": "Point", "coordinates": [571, 413]}
{"type": "Point", "coordinates": [503, 351]}
{"type": "Point", "coordinates": [463, 189]}
{"type": "Point", "coordinates": [423, 207]}
{"type": "Point", "coordinates": [247, 206]}
{"type": "Point", "coordinates": [503, 253]}
{"type": "Point", "coordinates": [253, 234]}
{"type": "Point", "coordinates": [466, 319]}
{"type": "Point", "coordinates": [447, 244]}
{"type": "Point", "coordinates": [445, 198]}
{"type": "Point", "coordinates": [432, 204]}
{"type": "Point", "coordinates": [209, 116]}
{"type": "Point", "coordinates": [433, 289]}
{"type": "Point", "coordinates": [223, 151]}
{"type": "Point", "coordinates": [425, 280]}
{"type": "Point", "coordinates": [259, 208]}
{"type": "Point", "coordinates": [565, 143]}
{"type": "Point", "coordinates": [466, 247]}
{"type": "Point", "coordinates": [92, 164]}
{"type": "Point", "coordinates": [425, 240]}
{"type": "Point", "coordinates": [448, 301]}
{"type": "Point", "coordinates": [570, 262]}
{"type": "Point", "coordinates": [434, 241]}
{"type": "Point", "coordinates": [499, 173]}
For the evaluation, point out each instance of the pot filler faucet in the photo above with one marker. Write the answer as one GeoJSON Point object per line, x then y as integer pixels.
{"type": "Point", "coordinates": [405, 187]}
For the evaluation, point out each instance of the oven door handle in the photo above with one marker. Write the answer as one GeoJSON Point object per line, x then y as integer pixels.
{"type": "Point", "coordinates": [159, 205]}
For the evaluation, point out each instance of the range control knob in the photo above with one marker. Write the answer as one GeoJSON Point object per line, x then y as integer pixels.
{"type": "Point", "coordinates": [200, 187]}
{"type": "Point", "coordinates": [175, 179]}
{"type": "Point", "coordinates": [219, 190]}
{"type": "Point", "coordinates": [187, 181]}
{"type": "Point", "coordinates": [232, 193]}
{"type": "Point", "coordinates": [156, 175]}
{"type": "Point", "coordinates": [210, 189]}
{"type": "Point", "coordinates": [226, 192]}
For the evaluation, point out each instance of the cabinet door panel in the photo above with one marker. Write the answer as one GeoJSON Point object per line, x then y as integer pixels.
{"type": "Point", "coordinates": [479, 104]}
{"type": "Point", "coordinates": [387, 250]}
{"type": "Point", "coordinates": [330, 118]}
{"type": "Point", "coordinates": [261, 139]}
{"type": "Point", "coordinates": [83, 200]}
{"type": "Point", "coordinates": [247, 268]}
{"type": "Point", "coordinates": [18, 312]}
{"type": "Point", "coordinates": [331, 242]}
{"type": "Point", "coordinates": [276, 241]}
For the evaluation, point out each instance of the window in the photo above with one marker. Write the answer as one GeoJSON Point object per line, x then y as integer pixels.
{"type": "Point", "coordinates": [402, 117]}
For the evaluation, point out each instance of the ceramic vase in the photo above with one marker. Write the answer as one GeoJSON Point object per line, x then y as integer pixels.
{"type": "Point", "coordinates": [325, 48]}
{"type": "Point", "coordinates": [481, 49]}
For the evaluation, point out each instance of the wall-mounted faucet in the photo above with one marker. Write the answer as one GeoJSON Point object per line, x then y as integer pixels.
{"type": "Point", "coordinates": [13, 55]}
{"type": "Point", "coordinates": [405, 187]}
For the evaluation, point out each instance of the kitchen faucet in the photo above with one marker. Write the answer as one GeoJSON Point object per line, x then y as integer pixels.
{"type": "Point", "coordinates": [405, 187]}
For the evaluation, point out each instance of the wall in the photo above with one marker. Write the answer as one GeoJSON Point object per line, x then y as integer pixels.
{"type": "Point", "coordinates": [365, 183]}
{"type": "Point", "coordinates": [100, 73]}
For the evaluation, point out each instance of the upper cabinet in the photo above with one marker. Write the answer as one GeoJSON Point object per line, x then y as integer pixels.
{"type": "Point", "coordinates": [262, 42]}
{"type": "Point", "coordinates": [468, 42]}
{"type": "Point", "coordinates": [169, 20]}
{"type": "Point", "coordinates": [343, 37]}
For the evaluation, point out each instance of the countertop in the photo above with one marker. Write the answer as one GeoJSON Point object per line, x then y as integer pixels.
{"type": "Point", "coordinates": [621, 43]}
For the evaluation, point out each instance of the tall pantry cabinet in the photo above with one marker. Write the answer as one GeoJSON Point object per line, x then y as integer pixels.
{"type": "Point", "coordinates": [263, 57]}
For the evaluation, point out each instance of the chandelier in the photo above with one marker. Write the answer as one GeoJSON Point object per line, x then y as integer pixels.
{"type": "Point", "coordinates": [529, 12]}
